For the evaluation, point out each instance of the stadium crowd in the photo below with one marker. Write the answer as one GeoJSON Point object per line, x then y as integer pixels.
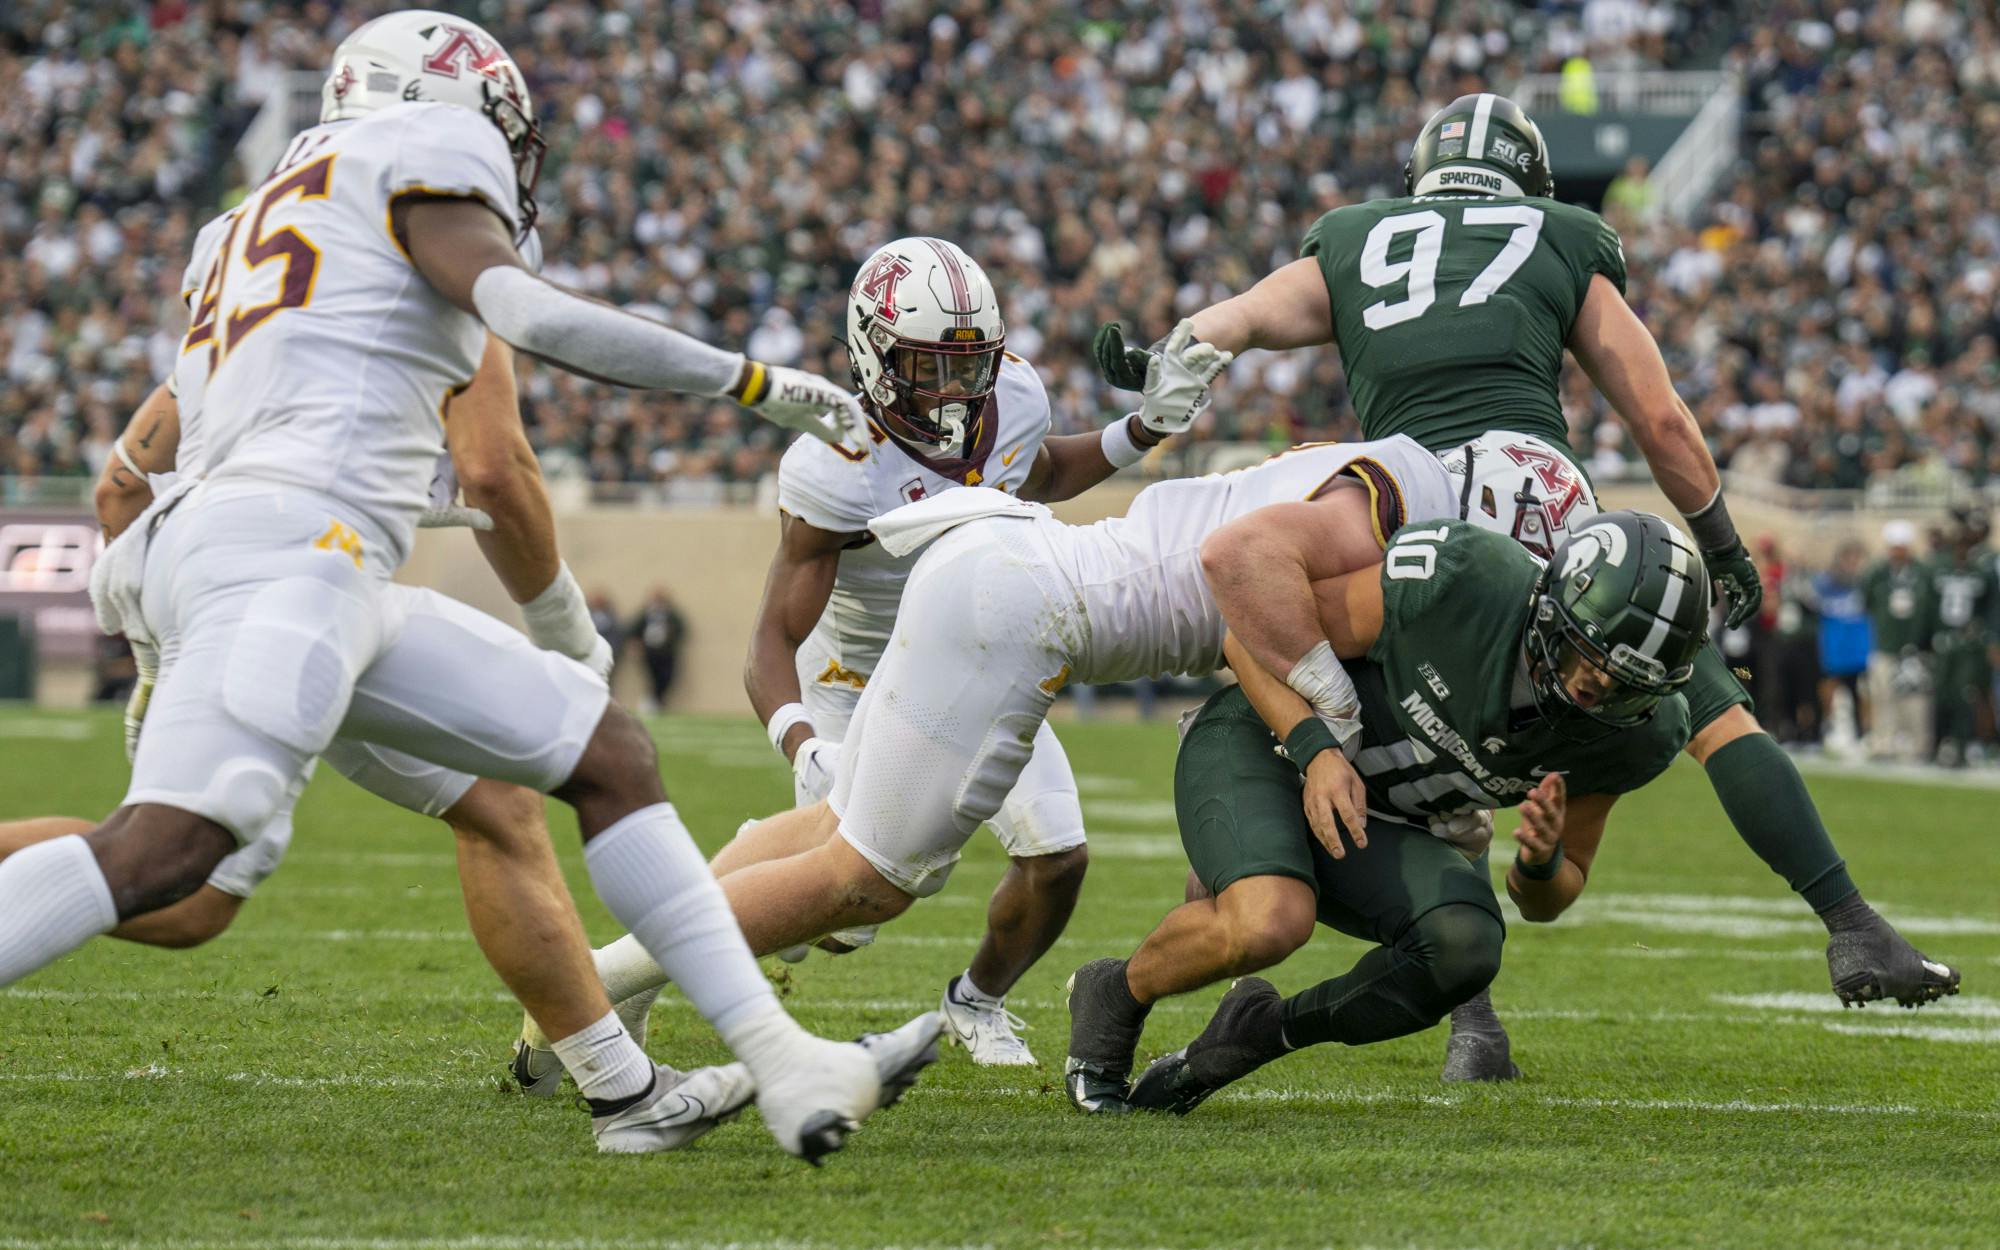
{"type": "Point", "coordinates": [1830, 316]}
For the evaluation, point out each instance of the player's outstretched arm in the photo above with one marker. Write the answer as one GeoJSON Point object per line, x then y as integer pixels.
{"type": "Point", "coordinates": [148, 444]}
{"type": "Point", "coordinates": [1288, 309]}
{"type": "Point", "coordinates": [1068, 465]}
{"type": "Point", "coordinates": [500, 476]}
{"type": "Point", "coordinates": [795, 594]}
{"type": "Point", "coordinates": [1616, 350]}
{"type": "Point", "coordinates": [1558, 837]}
{"type": "Point", "coordinates": [463, 249]}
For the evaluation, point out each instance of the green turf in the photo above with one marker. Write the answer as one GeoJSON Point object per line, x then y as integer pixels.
{"type": "Point", "coordinates": [330, 1072]}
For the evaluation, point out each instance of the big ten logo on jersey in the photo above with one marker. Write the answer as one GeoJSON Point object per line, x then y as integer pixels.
{"type": "Point", "coordinates": [879, 284]}
{"type": "Point", "coordinates": [913, 490]}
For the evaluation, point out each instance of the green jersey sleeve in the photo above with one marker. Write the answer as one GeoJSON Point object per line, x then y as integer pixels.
{"type": "Point", "coordinates": [1451, 580]}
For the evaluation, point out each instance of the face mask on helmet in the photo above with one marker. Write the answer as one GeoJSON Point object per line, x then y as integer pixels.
{"type": "Point", "coordinates": [524, 140]}
{"type": "Point", "coordinates": [1619, 690]}
{"type": "Point", "coordinates": [936, 392]}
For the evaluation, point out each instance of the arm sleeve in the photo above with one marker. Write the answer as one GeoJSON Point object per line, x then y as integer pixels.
{"type": "Point", "coordinates": [451, 152]}
{"type": "Point", "coordinates": [824, 489]}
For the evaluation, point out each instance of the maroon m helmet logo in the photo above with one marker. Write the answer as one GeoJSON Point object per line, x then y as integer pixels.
{"type": "Point", "coordinates": [879, 284]}
{"type": "Point", "coordinates": [1555, 475]}
{"type": "Point", "coordinates": [465, 45]}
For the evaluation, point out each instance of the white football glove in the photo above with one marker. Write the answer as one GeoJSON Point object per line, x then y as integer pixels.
{"type": "Point", "coordinates": [1177, 381]}
{"type": "Point", "coordinates": [147, 660]}
{"type": "Point", "coordinates": [812, 769]}
{"type": "Point", "coordinates": [1471, 832]}
{"type": "Point", "coordinates": [454, 516]}
{"type": "Point", "coordinates": [803, 401]}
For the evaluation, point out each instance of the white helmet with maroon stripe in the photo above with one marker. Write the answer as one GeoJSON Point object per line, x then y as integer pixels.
{"type": "Point", "coordinates": [924, 337]}
{"type": "Point", "coordinates": [421, 54]}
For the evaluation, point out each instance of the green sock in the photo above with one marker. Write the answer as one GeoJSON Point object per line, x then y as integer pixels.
{"type": "Point", "coordinates": [1766, 800]}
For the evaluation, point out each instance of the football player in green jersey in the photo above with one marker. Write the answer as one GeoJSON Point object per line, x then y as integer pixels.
{"type": "Point", "coordinates": [1452, 308]}
{"type": "Point", "coordinates": [1484, 679]}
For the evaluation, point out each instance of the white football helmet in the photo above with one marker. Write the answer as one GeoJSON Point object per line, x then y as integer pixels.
{"type": "Point", "coordinates": [924, 337]}
{"type": "Point", "coordinates": [421, 54]}
{"type": "Point", "coordinates": [1520, 486]}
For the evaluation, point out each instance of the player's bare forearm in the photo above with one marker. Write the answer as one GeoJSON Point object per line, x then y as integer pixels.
{"type": "Point", "coordinates": [1288, 309]}
{"type": "Point", "coordinates": [1614, 347]}
{"type": "Point", "coordinates": [1279, 706]}
{"type": "Point", "coordinates": [1582, 830]}
{"type": "Point", "coordinates": [1070, 464]}
{"type": "Point", "coordinates": [795, 594]}
{"type": "Point", "coordinates": [500, 476]}
{"type": "Point", "coordinates": [1257, 567]}
{"type": "Point", "coordinates": [151, 441]}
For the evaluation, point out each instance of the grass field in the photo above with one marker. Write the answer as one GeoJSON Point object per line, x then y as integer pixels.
{"type": "Point", "coordinates": [330, 1073]}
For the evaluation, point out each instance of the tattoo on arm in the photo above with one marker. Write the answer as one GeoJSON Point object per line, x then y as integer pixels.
{"type": "Point", "coordinates": [146, 439]}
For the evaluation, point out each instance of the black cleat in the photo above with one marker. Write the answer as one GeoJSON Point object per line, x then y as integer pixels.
{"type": "Point", "coordinates": [1478, 1049]}
{"type": "Point", "coordinates": [1871, 962]}
{"type": "Point", "coordinates": [1244, 1034]}
{"type": "Point", "coordinates": [1104, 1027]}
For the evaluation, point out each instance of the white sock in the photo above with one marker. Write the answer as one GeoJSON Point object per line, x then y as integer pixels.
{"type": "Point", "coordinates": [648, 872]}
{"type": "Point", "coordinates": [605, 1062]}
{"type": "Point", "coordinates": [963, 991]}
{"type": "Point", "coordinates": [53, 899]}
{"type": "Point", "coordinates": [626, 969]}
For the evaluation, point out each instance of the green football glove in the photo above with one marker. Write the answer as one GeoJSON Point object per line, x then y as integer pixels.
{"type": "Point", "coordinates": [1121, 366]}
{"type": "Point", "coordinates": [1735, 576]}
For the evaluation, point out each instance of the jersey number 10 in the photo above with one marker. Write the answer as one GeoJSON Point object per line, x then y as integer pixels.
{"type": "Point", "coordinates": [1420, 270]}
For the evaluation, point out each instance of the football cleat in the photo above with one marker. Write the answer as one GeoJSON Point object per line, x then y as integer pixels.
{"type": "Point", "coordinates": [536, 1068]}
{"type": "Point", "coordinates": [1103, 1033]}
{"type": "Point", "coordinates": [829, 1088]}
{"type": "Point", "coordinates": [1478, 1049]}
{"type": "Point", "coordinates": [1872, 962]}
{"type": "Point", "coordinates": [1242, 1036]}
{"type": "Point", "coordinates": [677, 1109]}
{"type": "Point", "coordinates": [987, 1033]}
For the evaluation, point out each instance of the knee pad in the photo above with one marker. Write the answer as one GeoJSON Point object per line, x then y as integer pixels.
{"type": "Point", "coordinates": [302, 643]}
{"type": "Point", "coordinates": [1457, 947]}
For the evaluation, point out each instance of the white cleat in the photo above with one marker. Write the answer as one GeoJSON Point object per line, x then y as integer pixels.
{"type": "Point", "coordinates": [795, 954]}
{"type": "Point", "coordinates": [986, 1033]}
{"type": "Point", "coordinates": [535, 1067]}
{"type": "Point", "coordinates": [828, 1088]}
{"type": "Point", "coordinates": [679, 1108]}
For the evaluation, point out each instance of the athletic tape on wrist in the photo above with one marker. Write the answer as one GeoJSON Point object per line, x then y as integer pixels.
{"type": "Point", "coordinates": [125, 457]}
{"type": "Point", "coordinates": [1120, 448]}
{"type": "Point", "coordinates": [781, 723]}
{"type": "Point", "coordinates": [1322, 681]}
{"type": "Point", "coordinates": [558, 619]}
{"type": "Point", "coordinates": [1540, 872]}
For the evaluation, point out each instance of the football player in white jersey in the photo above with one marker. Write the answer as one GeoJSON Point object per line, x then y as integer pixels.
{"type": "Point", "coordinates": [265, 583]}
{"type": "Point", "coordinates": [948, 406]}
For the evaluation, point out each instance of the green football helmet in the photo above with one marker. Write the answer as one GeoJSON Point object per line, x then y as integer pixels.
{"type": "Point", "coordinates": [1479, 143]}
{"type": "Point", "coordinates": [1627, 595]}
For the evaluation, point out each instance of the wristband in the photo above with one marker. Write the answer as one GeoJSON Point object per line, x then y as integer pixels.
{"type": "Point", "coordinates": [1307, 739]}
{"type": "Point", "coordinates": [1710, 525]}
{"type": "Point", "coordinates": [782, 722]}
{"type": "Point", "coordinates": [1120, 448]}
{"type": "Point", "coordinates": [1540, 872]}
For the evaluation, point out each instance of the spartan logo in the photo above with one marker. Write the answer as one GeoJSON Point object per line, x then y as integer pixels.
{"type": "Point", "coordinates": [1603, 540]}
{"type": "Point", "coordinates": [461, 44]}
{"type": "Point", "coordinates": [879, 284]}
